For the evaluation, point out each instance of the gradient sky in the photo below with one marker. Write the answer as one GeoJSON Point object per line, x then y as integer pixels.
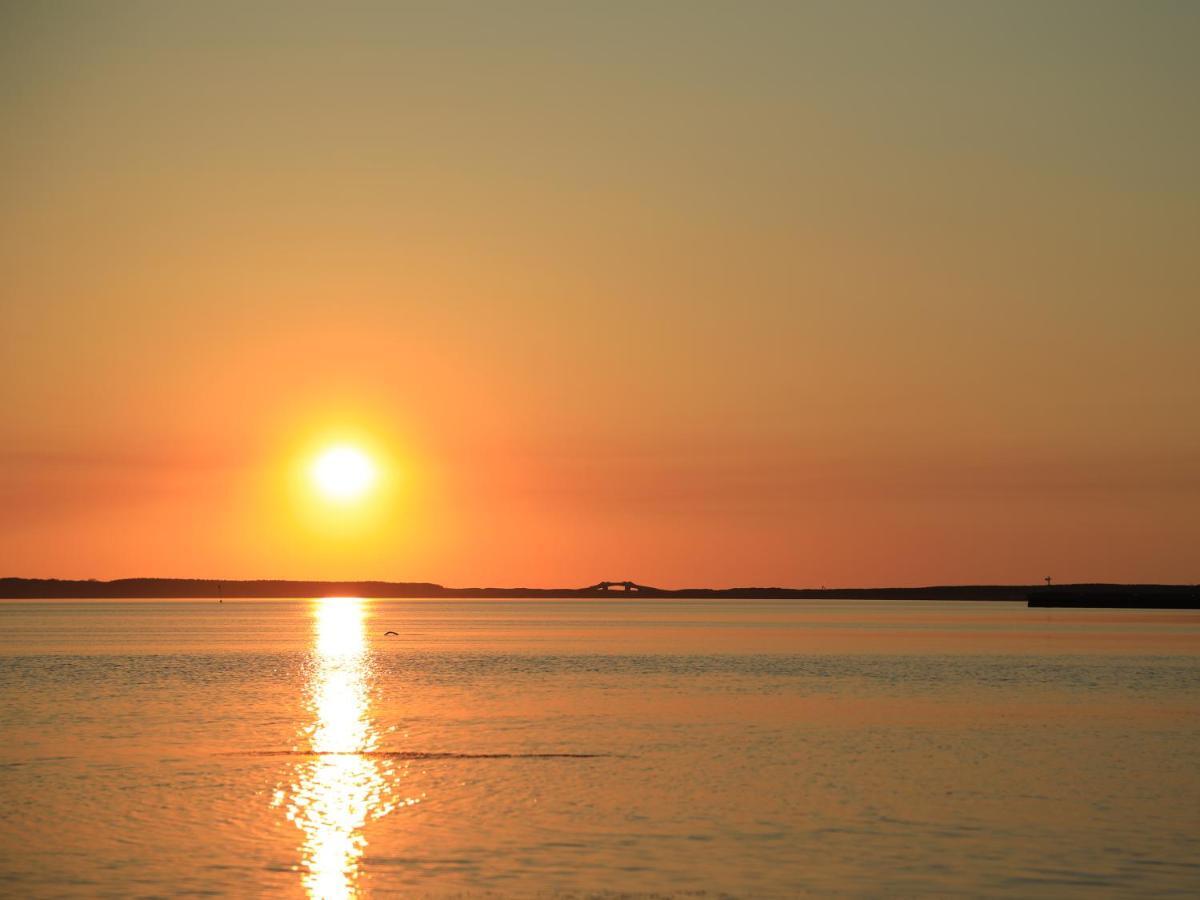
{"type": "Point", "coordinates": [688, 293]}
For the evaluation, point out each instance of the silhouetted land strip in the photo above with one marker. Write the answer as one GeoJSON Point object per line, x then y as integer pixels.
{"type": "Point", "coordinates": [1083, 595]}
{"type": "Point", "coordinates": [1114, 596]}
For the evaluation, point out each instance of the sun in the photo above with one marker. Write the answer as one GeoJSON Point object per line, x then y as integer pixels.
{"type": "Point", "coordinates": [343, 473]}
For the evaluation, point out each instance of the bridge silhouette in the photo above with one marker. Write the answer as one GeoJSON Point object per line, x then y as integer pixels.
{"type": "Point", "coordinates": [626, 587]}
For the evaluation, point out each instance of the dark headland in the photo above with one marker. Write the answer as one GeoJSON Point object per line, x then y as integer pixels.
{"type": "Point", "coordinates": [1068, 595]}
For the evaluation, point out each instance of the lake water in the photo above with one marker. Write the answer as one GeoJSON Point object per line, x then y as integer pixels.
{"type": "Point", "coordinates": [596, 748]}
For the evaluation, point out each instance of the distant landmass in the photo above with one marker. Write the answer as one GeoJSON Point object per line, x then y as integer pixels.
{"type": "Point", "coordinates": [1149, 596]}
{"type": "Point", "coordinates": [1117, 596]}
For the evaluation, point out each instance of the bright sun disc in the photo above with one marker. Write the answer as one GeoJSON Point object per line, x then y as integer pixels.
{"type": "Point", "coordinates": [343, 473]}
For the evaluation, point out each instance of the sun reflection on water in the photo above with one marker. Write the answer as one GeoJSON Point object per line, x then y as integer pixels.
{"type": "Point", "coordinates": [337, 792]}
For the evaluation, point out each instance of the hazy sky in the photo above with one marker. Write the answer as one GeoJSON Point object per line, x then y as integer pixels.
{"type": "Point", "coordinates": [688, 293]}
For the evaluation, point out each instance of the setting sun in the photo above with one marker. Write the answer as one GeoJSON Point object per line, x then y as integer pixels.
{"type": "Point", "coordinates": [343, 473]}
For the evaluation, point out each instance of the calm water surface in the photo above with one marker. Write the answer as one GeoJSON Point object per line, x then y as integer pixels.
{"type": "Point", "coordinates": [594, 748]}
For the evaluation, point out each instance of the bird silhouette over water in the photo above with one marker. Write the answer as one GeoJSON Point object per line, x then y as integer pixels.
{"type": "Point", "coordinates": [396, 633]}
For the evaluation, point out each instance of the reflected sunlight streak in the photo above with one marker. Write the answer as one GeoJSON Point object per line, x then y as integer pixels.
{"type": "Point", "coordinates": [334, 796]}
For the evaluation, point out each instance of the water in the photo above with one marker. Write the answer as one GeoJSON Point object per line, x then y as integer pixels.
{"type": "Point", "coordinates": [596, 748]}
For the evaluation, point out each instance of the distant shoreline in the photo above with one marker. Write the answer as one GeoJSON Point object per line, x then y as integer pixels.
{"type": "Point", "coordinates": [1085, 595]}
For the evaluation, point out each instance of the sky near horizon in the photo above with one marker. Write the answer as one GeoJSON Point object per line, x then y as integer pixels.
{"type": "Point", "coordinates": [688, 293]}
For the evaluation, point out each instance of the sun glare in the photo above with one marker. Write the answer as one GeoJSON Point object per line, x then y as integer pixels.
{"type": "Point", "coordinates": [343, 473]}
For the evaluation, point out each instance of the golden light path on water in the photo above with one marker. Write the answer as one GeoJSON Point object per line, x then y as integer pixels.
{"type": "Point", "coordinates": [338, 790]}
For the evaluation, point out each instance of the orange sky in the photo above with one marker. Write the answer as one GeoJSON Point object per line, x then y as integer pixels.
{"type": "Point", "coordinates": [834, 294]}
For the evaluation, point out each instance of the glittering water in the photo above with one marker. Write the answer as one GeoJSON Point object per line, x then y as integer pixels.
{"type": "Point", "coordinates": [596, 748]}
